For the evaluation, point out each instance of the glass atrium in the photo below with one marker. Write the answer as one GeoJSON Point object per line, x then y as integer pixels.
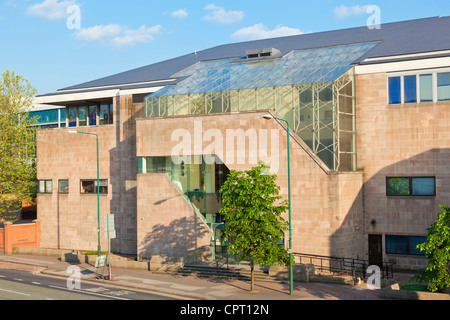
{"type": "Point", "coordinates": [312, 89]}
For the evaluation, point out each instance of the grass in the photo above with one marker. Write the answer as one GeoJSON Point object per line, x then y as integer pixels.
{"type": "Point", "coordinates": [415, 287]}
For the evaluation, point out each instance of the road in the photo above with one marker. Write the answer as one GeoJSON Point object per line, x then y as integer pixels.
{"type": "Point", "coordinates": [23, 285]}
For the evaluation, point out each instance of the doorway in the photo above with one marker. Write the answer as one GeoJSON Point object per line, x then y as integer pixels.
{"type": "Point", "coordinates": [376, 250]}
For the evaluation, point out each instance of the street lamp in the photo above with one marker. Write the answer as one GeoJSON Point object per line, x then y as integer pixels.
{"type": "Point", "coordinates": [98, 188]}
{"type": "Point", "coordinates": [291, 275]}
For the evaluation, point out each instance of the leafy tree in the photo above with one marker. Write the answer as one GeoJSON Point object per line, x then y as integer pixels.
{"type": "Point", "coordinates": [252, 210]}
{"type": "Point", "coordinates": [17, 145]}
{"type": "Point", "coordinates": [437, 250]}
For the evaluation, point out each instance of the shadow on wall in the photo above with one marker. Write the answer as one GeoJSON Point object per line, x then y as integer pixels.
{"type": "Point", "coordinates": [395, 215]}
{"type": "Point", "coordinates": [172, 244]}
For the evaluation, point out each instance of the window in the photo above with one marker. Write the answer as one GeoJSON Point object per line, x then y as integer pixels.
{"type": "Point", "coordinates": [90, 186]}
{"type": "Point", "coordinates": [93, 115]}
{"type": "Point", "coordinates": [45, 186]}
{"type": "Point", "coordinates": [410, 89]}
{"type": "Point", "coordinates": [395, 90]}
{"type": "Point", "coordinates": [82, 116]}
{"type": "Point", "coordinates": [443, 84]}
{"type": "Point", "coordinates": [63, 186]}
{"type": "Point", "coordinates": [72, 117]}
{"type": "Point", "coordinates": [106, 114]}
{"type": "Point", "coordinates": [404, 244]}
{"type": "Point", "coordinates": [426, 88]}
{"type": "Point", "coordinates": [411, 186]}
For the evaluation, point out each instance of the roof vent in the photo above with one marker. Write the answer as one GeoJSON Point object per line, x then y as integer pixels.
{"type": "Point", "coordinates": [263, 53]}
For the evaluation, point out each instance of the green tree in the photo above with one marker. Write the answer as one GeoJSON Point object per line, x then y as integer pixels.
{"type": "Point", "coordinates": [252, 209]}
{"type": "Point", "coordinates": [437, 250]}
{"type": "Point", "coordinates": [17, 145]}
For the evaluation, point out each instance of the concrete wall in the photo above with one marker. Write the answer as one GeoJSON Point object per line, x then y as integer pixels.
{"type": "Point", "coordinates": [401, 140]}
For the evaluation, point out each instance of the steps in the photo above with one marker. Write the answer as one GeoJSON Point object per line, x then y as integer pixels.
{"type": "Point", "coordinates": [234, 273]}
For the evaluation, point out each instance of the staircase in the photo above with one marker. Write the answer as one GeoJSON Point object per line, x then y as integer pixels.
{"type": "Point", "coordinates": [208, 271]}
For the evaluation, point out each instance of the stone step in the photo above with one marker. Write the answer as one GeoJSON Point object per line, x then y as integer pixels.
{"type": "Point", "coordinates": [211, 272]}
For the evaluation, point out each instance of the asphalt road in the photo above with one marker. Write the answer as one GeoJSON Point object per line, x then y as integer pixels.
{"type": "Point", "coordinates": [22, 285]}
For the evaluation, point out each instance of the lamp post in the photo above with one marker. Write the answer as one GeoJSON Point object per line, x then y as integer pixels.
{"type": "Point", "coordinates": [98, 189]}
{"type": "Point", "coordinates": [291, 275]}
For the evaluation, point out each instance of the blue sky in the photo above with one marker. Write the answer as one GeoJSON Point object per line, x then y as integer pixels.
{"type": "Point", "coordinates": [55, 48]}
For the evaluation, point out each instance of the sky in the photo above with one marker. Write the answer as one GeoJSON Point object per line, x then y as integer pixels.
{"type": "Point", "coordinates": [59, 43]}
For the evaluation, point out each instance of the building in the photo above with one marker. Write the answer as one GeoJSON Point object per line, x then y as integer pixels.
{"type": "Point", "coordinates": [369, 117]}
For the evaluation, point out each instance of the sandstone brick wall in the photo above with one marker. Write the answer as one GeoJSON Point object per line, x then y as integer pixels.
{"type": "Point", "coordinates": [401, 140]}
{"type": "Point", "coordinates": [326, 208]}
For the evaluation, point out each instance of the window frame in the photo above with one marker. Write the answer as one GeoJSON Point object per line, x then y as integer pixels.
{"type": "Point", "coordinates": [94, 181]}
{"type": "Point", "coordinates": [45, 186]}
{"type": "Point", "coordinates": [410, 178]}
{"type": "Point", "coordinates": [59, 186]}
{"type": "Point", "coordinates": [408, 244]}
{"type": "Point", "coordinates": [434, 76]}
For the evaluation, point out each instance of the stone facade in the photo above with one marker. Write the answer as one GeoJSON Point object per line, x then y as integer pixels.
{"type": "Point", "coordinates": [404, 140]}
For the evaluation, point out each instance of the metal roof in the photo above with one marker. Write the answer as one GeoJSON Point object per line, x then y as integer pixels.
{"type": "Point", "coordinates": [398, 38]}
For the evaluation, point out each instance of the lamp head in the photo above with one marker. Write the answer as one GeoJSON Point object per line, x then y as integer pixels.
{"type": "Point", "coordinates": [72, 131]}
{"type": "Point", "coordinates": [268, 117]}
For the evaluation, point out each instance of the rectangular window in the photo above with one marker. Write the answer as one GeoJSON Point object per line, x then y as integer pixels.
{"type": "Point", "coordinates": [72, 116]}
{"type": "Point", "coordinates": [45, 186]}
{"type": "Point", "coordinates": [443, 83]}
{"type": "Point", "coordinates": [404, 244]}
{"type": "Point", "coordinates": [411, 186]}
{"type": "Point", "coordinates": [410, 89]}
{"type": "Point", "coordinates": [105, 114]}
{"type": "Point", "coordinates": [82, 116]}
{"type": "Point", "coordinates": [395, 90]}
{"type": "Point", "coordinates": [426, 88]}
{"type": "Point", "coordinates": [92, 115]}
{"type": "Point", "coordinates": [63, 186]}
{"type": "Point", "coordinates": [90, 186]}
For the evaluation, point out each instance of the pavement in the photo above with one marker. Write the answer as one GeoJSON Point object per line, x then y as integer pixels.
{"type": "Point", "coordinates": [189, 287]}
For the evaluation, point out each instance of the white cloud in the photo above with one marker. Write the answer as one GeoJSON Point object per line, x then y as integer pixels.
{"type": "Point", "coordinates": [98, 32]}
{"type": "Point", "coordinates": [180, 13]}
{"type": "Point", "coordinates": [51, 9]}
{"type": "Point", "coordinates": [343, 12]}
{"type": "Point", "coordinates": [220, 15]}
{"type": "Point", "coordinates": [260, 31]}
{"type": "Point", "coordinates": [141, 35]}
{"type": "Point", "coordinates": [117, 35]}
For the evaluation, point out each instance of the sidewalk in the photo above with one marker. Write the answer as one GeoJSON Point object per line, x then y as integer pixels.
{"type": "Point", "coordinates": [192, 288]}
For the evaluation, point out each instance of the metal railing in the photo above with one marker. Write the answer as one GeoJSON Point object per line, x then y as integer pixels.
{"type": "Point", "coordinates": [349, 266]}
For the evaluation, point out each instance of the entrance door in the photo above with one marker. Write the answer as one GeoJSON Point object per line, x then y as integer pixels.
{"type": "Point", "coordinates": [375, 250]}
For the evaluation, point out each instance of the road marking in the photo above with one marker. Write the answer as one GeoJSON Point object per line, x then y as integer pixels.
{"type": "Point", "coordinates": [36, 283]}
{"type": "Point", "coordinates": [24, 294]}
{"type": "Point", "coordinates": [87, 292]}
{"type": "Point", "coordinates": [17, 279]}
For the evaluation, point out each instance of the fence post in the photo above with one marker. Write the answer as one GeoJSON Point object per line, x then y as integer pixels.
{"type": "Point", "coordinates": [8, 235]}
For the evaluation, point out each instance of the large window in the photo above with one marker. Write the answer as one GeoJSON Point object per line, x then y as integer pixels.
{"type": "Point", "coordinates": [419, 88]}
{"type": "Point", "coordinates": [404, 244]}
{"type": "Point", "coordinates": [411, 186]}
{"type": "Point", "coordinates": [91, 115]}
{"type": "Point", "coordinates": [90, 186]}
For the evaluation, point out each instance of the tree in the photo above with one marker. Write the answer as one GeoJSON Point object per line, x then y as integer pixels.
{"type": "Point", "coordinates": [17, 145]}
{"type": "Point", "coordinates": [437, 250]}
{"type": "Point", "coordinates": [252, 211]}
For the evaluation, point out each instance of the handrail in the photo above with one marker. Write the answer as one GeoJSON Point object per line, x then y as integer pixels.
{"type": "Point", "coordinates": [357, 267]}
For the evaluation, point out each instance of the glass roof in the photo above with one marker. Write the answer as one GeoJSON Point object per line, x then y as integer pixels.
{"type": "Point", "coordinates": [297, 67]}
